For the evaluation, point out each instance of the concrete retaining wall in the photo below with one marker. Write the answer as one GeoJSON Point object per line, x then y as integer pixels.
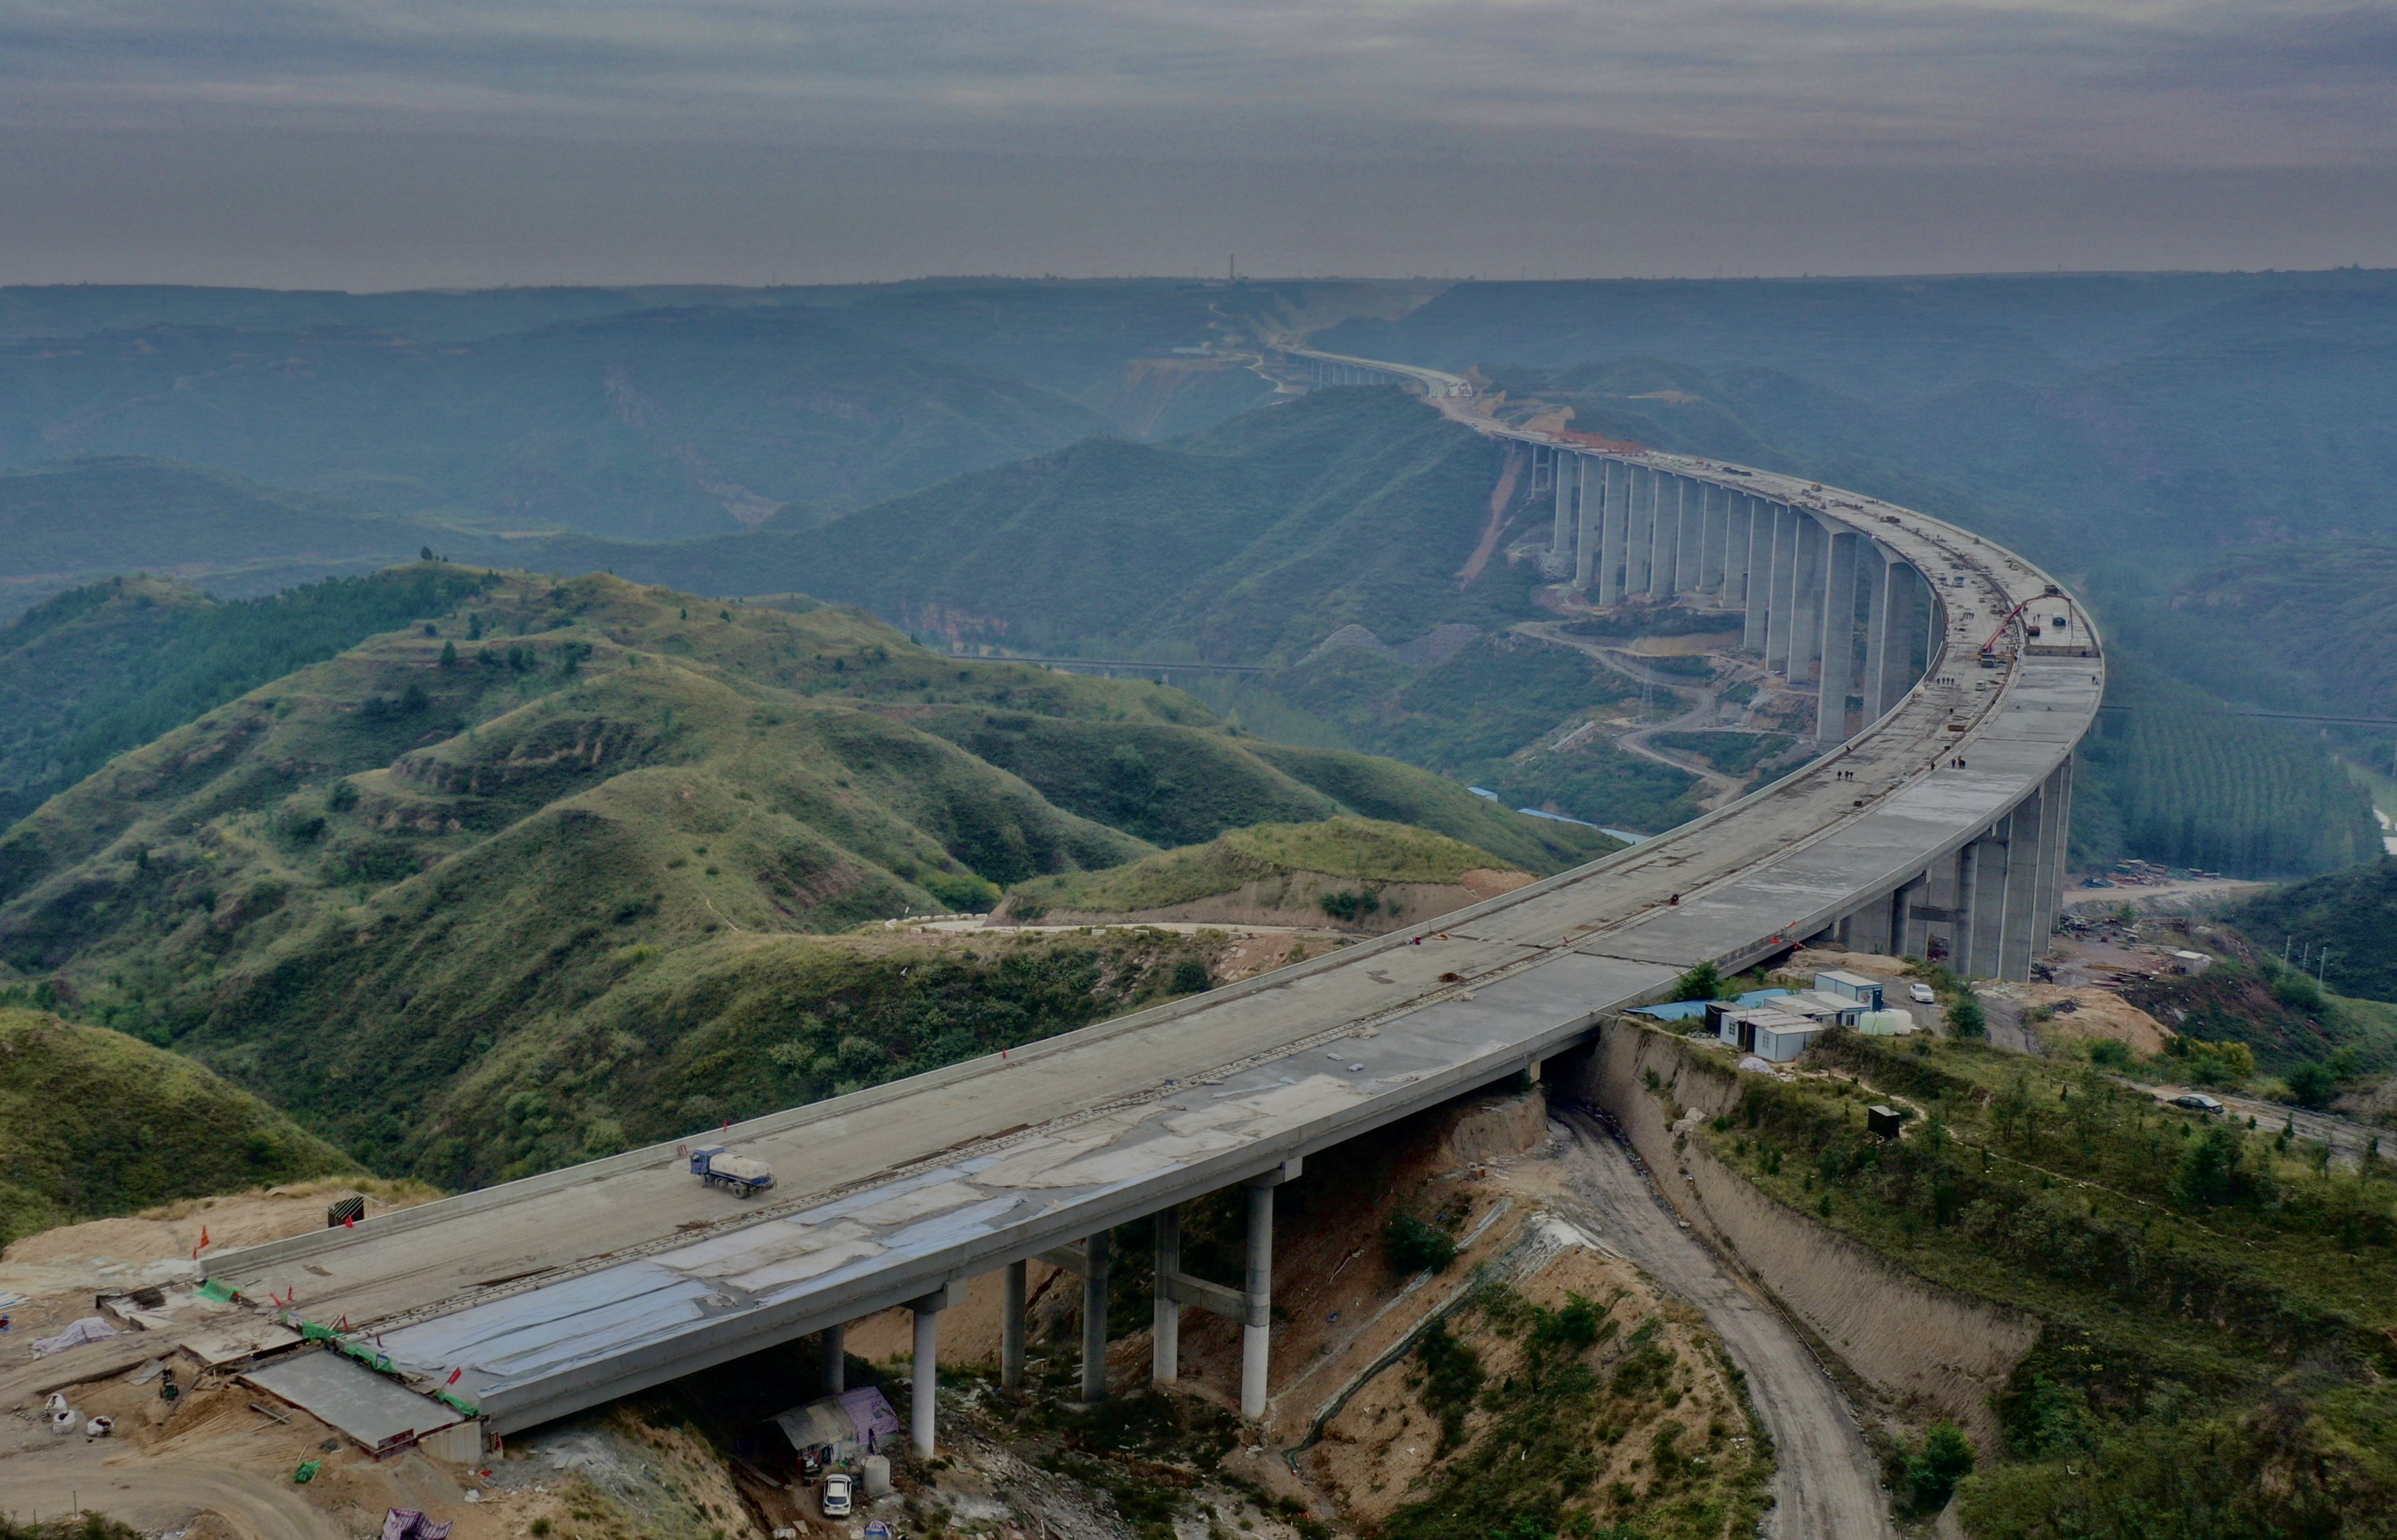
{"type": "Point", "coordinates": [1928, 1351]}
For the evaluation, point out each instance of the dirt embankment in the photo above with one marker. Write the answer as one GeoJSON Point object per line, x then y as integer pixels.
{"type": "Point", "coordinates": [1925, 1351]}
{"type": "Point", "coordinates": [1296, 898]}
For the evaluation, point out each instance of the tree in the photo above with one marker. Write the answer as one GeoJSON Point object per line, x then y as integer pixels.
{"type": "Point", "coordinates": [1703, 983]}
{"type": "Point", "coordinates": [2312, 1084]}
{"type": "Point", "coordinates": [1965, 1015]}
{"type": "Point", "coordinates": [1945, 1459]}
{"type": "Point", "coordinates": [2209, 1172]}
{"type": "Point", "coordinates": [448, 654]}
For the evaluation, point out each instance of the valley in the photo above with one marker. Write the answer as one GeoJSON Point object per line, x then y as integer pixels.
{"type": "Point", "coordinates": [698, 769]}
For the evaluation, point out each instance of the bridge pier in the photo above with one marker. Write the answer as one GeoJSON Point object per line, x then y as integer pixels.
{"type": "Point", "coordinates": [1639, 528]}
{"type": "Point", "coordinates": [1011, 1327]}
{"type": "Point", "coordinates": [1165, 1321]}
{"type": "Point", "coordinates": [1592, 476]}
{"type": "Point", "coordinates": [1095, 1318]}
{"type": "Point", "coordinates": [1837, 648]}
{"type": "Point", "coordinates": [1664, 533]}
{"type": "Point", "coordinates": [1560, 544]}
{"type": "Point", "coordinates": [1755, 576]}
{"type": "Point", "coordinates": [926, 1371]}
{"type": "Point", "coordinates": [1615, 545]}
{"type": "Point", "coordinates": [831, 1344]}
{"type": "Point", "coordinates": [1780, 602]}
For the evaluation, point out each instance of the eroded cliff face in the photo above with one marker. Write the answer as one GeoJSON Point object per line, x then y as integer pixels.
{"type": "Point", "coordinates": [1925, 1353]}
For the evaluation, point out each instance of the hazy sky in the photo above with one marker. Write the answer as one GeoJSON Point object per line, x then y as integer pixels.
{"type": "Point", "coordinates": [373, 143]}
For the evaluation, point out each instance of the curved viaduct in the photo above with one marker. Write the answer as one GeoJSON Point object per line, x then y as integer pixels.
{"type": "Point", "coordinates": [1937, 812]}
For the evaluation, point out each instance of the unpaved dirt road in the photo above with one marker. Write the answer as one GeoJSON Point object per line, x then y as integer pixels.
{"type": "Point", "coordinates": [151, 1494]}
{"type": "Point", "coordinates": [1828, 1486]}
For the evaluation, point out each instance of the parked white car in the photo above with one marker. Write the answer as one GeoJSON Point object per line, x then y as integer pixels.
{"type": "Point", "coordinates": [838, 1496]}
{"type": "Point", "coordinates": [1921, 994]}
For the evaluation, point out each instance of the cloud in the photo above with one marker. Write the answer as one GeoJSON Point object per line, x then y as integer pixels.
{"type": "Point", "coordinates": [1806, 81]}
{"type": "Point", "coordinates": [386, 141]}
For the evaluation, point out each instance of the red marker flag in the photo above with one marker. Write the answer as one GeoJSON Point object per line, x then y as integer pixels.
{"type": "Point", "coordinates": [454, 1375]}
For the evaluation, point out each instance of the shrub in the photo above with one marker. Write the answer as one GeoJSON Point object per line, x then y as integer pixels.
{"type": "Point", "coordinates": [1931, 1474]}
{"type": "Point", "coordinates": [2312, 1084]}
{"type": "Point", "coordinates": [1965, 1015]}
{"type": "Point", "coordinates": [1415, 1246]}
{"type": "Point", "coordinates": [1347, 905]}
{"type": "Point", "coordinates": [2107, 1053]}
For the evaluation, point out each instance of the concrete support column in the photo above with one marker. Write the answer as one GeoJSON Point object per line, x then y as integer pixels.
{"type": "Point", "coordinates": [1838, 642]}
{"type": "Point", "coordinates": [1562, 475]}
{"type": "Point", "coordinates": [1165, 1322]}
{"type": "Point", "coordinates": [1712, 516]}
{"type": "Point", "coordinates": [1873, 573]}
{"type": "Point", "coordinates": [927, 1370]}
{"type": "Point", "coordinates": [1664, 532]}
{"type": "Point", "coordinates": [1961, 887]}
{"type": "Point", "coordinates": [1806, 606]}
{"type": "Point", "coordinates": [1901, 914]}
{"type": "Point", "coordinates": [832, 1347]}
{"type": "Point", "coordinates": [1779, 606]}
{"type": "Point", "coordinates": [1756, 579]}
{"type": "Point", "coordinates": [2018, 940]}
{"type": "Point", "coordinates": [1985, 928]}
{"type": "Point", "coordinates": [1011, 1327]}
{"type": "Point", "coordinates": [1095, 1318]}
{"type": "Point", "coordinates": [2055, 852]}
{"type": "Point", "coordinates": [1590, 475]}
{"type": "Point", "coordinates": [1615, 545]}
{"type": "Point", "coordinates": [1734, 571]}
{"type": "Point", "coordinates": [1256, 1333]}
{"type": "Point", "coordinates": [1639, 527]}
{"type": "Point", "coordinates": [1688, 571]}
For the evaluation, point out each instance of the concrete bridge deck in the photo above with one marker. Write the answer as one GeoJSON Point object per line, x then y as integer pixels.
{"type": "Point", "coordinates": [562, 1291]}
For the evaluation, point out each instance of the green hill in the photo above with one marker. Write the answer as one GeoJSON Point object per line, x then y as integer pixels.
{"type": "Point", "coordinates": [393, 886]}
{"type": "Point", "coordinates": [71, 521]}
{"type": "Point", "coordinates": [105, 668]}
{"type": "Point", "coordinates": [93, 1123]}
{"type": "Point", "coordinates": [2213, 1326]}
{"type": "Point", "coordinates": [1252, 542]}
{"type": "Point", "coordinates": [1367, 852]}
{"type": "Point", "coordinates": [2354, 912]}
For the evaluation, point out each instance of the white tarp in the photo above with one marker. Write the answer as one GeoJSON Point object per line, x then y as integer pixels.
{"type": "Point", "coordinates": [89, 1329]}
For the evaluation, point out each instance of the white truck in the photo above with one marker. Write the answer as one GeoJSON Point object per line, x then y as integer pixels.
{"type": "Point", "coordinates": [716, 1169]}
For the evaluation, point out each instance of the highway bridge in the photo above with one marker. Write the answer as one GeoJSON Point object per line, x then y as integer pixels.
{"type": "Point", "coordinates": [1931, 821]}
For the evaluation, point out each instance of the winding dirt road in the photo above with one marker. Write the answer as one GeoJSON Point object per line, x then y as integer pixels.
{"type": "Point", "coordinates": [1827, 1485]}
{"type": "Point", "coordinates": [153, 1494]}
{"type": "Point", "coordinates": [1704, 709]}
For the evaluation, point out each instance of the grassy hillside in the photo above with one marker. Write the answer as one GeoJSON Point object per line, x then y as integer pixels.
{"type": "Point", "coordinates": [649, 424]}
{"type": "Point", "coordinates": [2215, 1354]}
{"type": "Point", "coordinates": [1357, 850]}
{"type": "Point", "coordinates": [456, 846]}
{"type": "Point", "coordinates": [2352, 912]}
{"type": "Point", "coordinates": [69, 521]}
{"type": "Point", "coordinates": [2175, 778]}
{"type": "Point", "coordinates": [105, 668]}
{"type": "Point", "coordinates": [1252, 542]}
{"type": "Point", "coordinates": [93, 1123]}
